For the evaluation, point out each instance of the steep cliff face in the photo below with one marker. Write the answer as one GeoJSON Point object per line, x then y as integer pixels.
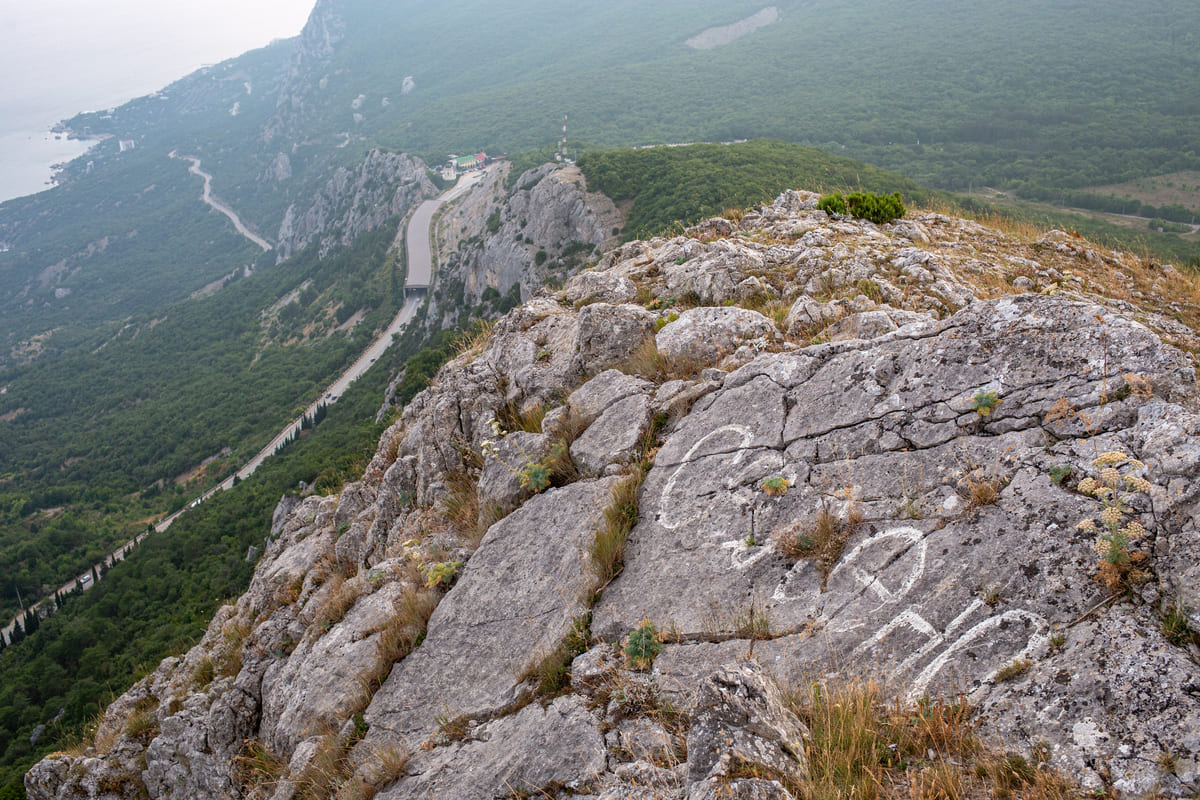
{"type": "Point", "coordinates": [500, 242]}
{"type": "Point", "coordinates": [307, 71]}
{"type": "Point", "coordinates": [355, 201]}
{"type": "Point", "coordinates": [607, 550]}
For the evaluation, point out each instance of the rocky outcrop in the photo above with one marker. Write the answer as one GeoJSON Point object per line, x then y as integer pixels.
{"type": "Point", "coordinates": [813, 450]}
{"type": "Point", "coordinates": [501, 242]}
{"type": "Point", "coordinates": [355, 201]}
{"type": "Point", "coordinates": [307, 72]}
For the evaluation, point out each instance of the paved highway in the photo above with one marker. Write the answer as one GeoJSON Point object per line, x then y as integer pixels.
{"type": "Point", "coordinates": [420, 273]}
{"type": "Point", "coordinates": [418, 234]}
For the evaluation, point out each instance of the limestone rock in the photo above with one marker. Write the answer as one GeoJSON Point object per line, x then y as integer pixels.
{"type": "Point", "coordinates": [599, 287]}
{"type": "Point", "coordinates": [512, 606]}
{"type": "Point", "coordinates": [741, 721]}
{"type": "Point", "coordinates": [500, 480]}
{"type": "Point", "coordinates": [600, 393]}
{"type": "Point", "coordinates": [705, 335]}
{"type": "Point", "coordinates": [615, 437]}
{"type": "Point", "coordinates": [353, 202]}
{"type": "Point", "coordinates": [609, 334]}
{"type": "Point", "coordinates": [898, 485]}
{"type": "Point", "coordinates": [532, 750]}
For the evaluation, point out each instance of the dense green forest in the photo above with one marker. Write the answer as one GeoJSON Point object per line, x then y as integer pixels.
{"type": "Point", "coordinates": [672, 186]}
{"type": "Point", "coordinates": [161, 598]}
{"type": "Point", "coordinates": [99, 439]}
{"type": "Point", "coordinates": [668, 187]}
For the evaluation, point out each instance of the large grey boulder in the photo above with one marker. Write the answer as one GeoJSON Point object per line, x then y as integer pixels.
{"type": "Point", "coordinates": [591, 286]}
{"type": "Point", "coordinates": [513, 605]}
{"type": "Point", "coordinates": [615, 437]}
{"type": "Point", "coordinates": [705, 335]}
{"type": "Point", "coordinates": [609, 335]}
{"type": "Point", "coordinates": [523, 754]}
{"type": "Point", "coordinates": [600, 393]}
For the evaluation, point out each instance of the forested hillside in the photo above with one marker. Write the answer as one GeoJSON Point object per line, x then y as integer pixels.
{"type": "Point", "coordinates": [96, 439]}
{"type": "Point", "coordinates": [1040, 98]}
{"type": "Point", "coordinates": [146, 348]}
{"type": "Point", "coordinates": [161, 598]}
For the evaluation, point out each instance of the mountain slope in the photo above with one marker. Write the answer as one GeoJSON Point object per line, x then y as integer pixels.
{"type": "Point", "coordinates": [835, 449]}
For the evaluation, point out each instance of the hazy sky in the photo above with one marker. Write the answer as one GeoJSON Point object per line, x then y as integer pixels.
{"type": "Point", "coordinates": [60, 57]}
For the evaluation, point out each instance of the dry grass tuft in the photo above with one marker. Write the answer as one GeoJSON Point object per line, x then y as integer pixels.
{"type": "Point", "coordinates": [326, 772]}
{"type": "Point", "coordinates": [620, 515]}
{"type": "Point", "coordinates": [984, 491]}
{"type": "Point", "coordinates": [385, 765]}
{"type": "Point", "coordinates": [652, 365]}
{"type": "Point", "coordinates": [475, 338]}
{"type": "Point", "coordinates": [821, 541]}
{"type": "Point", "coordinates": [142, 724]}
{"type": "Point", "coordinates": [229, 663]}
{"type": "Point", "coordinates": [256, 767]}
{"type": "Point", "coordinates": [460, 506]}
{"type": "Point", "coordinates": [403, 632]}
{"type": "Point", "coordinates": [511, 418]}
{"type": "Point", "coordinates": [338, 601]}
{"type": "Point", "coordinates": [865, 747]}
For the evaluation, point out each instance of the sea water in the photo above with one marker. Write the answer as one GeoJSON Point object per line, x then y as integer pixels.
{"type": "Point", "coordinates": [63, 57]}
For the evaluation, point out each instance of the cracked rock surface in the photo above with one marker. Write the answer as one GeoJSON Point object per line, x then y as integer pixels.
{"type": "Point", "coordinates": [859, 451]}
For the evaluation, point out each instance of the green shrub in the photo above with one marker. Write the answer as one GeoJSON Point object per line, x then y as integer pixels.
{"type": "Point", "coordinates": [878, 208]}
{"type": "Point", "coordinates": [985, 402]}
{"type": "Point", "coordinates": [643, 645]}
{"type": "Point", "coordinates": [833, 204]}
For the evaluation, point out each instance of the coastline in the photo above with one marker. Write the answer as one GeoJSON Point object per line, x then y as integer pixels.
{"type": "Point", "coordinates": [31, 161]}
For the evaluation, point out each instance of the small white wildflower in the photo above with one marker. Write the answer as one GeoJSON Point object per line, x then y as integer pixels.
{"type": "Point", "coordinates": [1110, 476]}
{"type": "Point", "coordinates": [1103, 547]}
{"type": "Point", "coordinates": [1088, 524]}
{"type": "Point", "coordinates": [1111, 516]}
{"type": "Point", "coordinates": [1088, 485]}
{"type": "Point", "coordinates": [1135, 464]}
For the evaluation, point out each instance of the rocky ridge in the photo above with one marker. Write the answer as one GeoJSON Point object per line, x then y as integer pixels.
{"type": "Point", "coordinates": [926, 453]}
{"type": "Point", "coordinates": [506, 242]}
{"type": "Point", "coordinates": [354, 202]}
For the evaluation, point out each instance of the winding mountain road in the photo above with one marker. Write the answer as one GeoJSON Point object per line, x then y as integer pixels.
{"type": "Point", "coordinates": [207, 197]}
{"type": "Point", "coordinates": [419, 277]}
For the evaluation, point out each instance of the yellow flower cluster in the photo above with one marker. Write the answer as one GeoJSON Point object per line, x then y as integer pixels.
{"type": "Point", "coordinates": [1111, 516]}
{"type": "Point", "coordinates": [1112, 458]}
{"type": "Point", "coordinates": [1087, 524]}
{"type": "Point", "coordinates": [1103, 547]}
{"type": "Point", "coordinates": [1134, 530]}
{"type": "Point", "coordinates": [1136, 484]}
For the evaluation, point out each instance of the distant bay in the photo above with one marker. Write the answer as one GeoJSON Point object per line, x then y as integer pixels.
{"type": "Point", "coordinates": [63, 57]}
{"type": "Point", "coordinates": [27, 159]}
